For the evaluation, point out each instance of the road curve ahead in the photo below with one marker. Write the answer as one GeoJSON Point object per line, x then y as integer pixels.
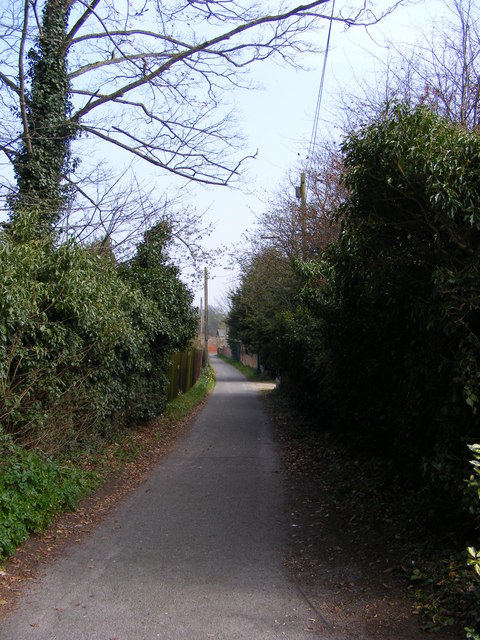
{"type": "Point", "coordinates": [194, 553]}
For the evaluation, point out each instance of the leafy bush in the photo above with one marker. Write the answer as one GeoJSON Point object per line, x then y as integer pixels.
{"type": "Point", "coordinates": [473, 554]}
{"type": "Point", "coordinates": [268, 288]}
{"type": "Point", "coordinates": [381, 331]}
{"type": "Point", "coordinates": [63, 310]}
{"type": "Point", "coordinates": [398, 303]}
{"type": "Point", "coordinates": [170, 328]}
{"type": "Point", "coordinates": [84, 344]}
{"type": "Point", "coordinates": [32, 491]}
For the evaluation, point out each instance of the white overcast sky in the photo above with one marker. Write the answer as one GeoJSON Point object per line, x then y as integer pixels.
{"type": "Point", "coordinates": [278, 120]}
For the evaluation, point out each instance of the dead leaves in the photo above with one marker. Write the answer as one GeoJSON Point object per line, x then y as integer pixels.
{"type": "Point", "coordinates": [70, 528]}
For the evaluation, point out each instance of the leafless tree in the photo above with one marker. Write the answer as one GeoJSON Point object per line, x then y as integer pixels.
{"type": "Point", "coordinates": [442, 70]}
{"type": "Point", "coordinates": [303, 229]}
{"type": "Point", "coordinates": [449, 69]}
{"type": "Point", "coordinates": [122, 208]}
{"type": "Point", "coordinates": [151, 79]}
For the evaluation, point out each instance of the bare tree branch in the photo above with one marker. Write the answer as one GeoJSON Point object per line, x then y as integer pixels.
{"type": "Point", "coordinates": [188, 172]}
{"type": "Point", "coordinates": [442, 69]}
{"type": "Point", "coordinates": [80, 22]}
{"type": "Point", "coordinates": [151, 79]}
{"type": "Point", "coordinates": [21, 75]}
{"type": "Point", "coordinates": [9, 83]}
{"type": "Point", "coordinates": [37, 18]}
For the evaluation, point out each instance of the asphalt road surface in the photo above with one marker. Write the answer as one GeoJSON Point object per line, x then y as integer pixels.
{"type": "Point", "coordinates": [196, 552]}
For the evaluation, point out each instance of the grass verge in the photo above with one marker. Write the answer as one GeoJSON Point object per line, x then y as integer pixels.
{"type": "Point", "coordinates": [33, 490]}
{"type": "Point", "coordinates": [249, 372]}
{"type": "Point", "coordinates": [181, 406]}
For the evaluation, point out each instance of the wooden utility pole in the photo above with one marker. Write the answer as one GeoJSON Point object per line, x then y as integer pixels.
{"type": "Point", "coordinates": [301, 193]}
{"type": "Point", "coordinates": [206, 315]}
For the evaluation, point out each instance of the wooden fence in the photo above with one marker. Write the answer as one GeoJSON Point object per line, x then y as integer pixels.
{"type": "Point", "coordinates": [184, 371]}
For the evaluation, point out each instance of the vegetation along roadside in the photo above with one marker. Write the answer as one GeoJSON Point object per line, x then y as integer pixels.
{"type": "Point", "coordinates": [58, 503]}
{"type": "Point", "coordinates": [359, 554]}
{"type": "Point", "coordinates": [374, 335]}
{"type": "Point", "coordinates": [356, 549]}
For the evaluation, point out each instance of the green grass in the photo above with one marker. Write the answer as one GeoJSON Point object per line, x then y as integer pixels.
{"type": "Point", "coordinates": [181, 406]}
{"type": "Point", "coordinates": [249, 372]}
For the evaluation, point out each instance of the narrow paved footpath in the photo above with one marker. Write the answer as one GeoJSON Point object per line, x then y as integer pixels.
{"type": "Point", "coordinates": [194, 553]}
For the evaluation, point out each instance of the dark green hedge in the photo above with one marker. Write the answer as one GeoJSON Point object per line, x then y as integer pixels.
{"type": "Point", "coordinates": [85, 344]}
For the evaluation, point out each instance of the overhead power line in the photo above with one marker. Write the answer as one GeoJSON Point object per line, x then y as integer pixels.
{"type": "Point", "coordinates": [313, 139]}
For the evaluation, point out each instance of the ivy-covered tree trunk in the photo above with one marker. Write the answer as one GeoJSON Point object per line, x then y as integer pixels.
{"type": "Point", "coordinates": [42, 162]}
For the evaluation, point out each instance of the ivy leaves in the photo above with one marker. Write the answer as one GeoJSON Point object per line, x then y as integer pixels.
{"type": "Point", "coordinates": [84, 344]}
{"type": "Point", "coordinates": [43, 160]}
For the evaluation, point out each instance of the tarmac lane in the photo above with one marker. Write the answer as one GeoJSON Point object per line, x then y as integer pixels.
{"type": "Point", "coordinates": [196, 552]}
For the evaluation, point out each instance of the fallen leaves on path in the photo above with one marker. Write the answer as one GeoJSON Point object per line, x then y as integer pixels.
{"type": "Point", "coordinates": [147, 444]}
{"type": "Point", "coordinates": [346, 560]}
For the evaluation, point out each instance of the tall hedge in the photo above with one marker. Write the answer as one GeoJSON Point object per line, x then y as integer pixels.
{"type": "Point", "coordinates": [83, 349]}
{"type": "Point", "coordinates": [153, 277]}
{"type": "Point", "coordinates": [382, 340]}
{"type": "Point", "coordinates": [396, 302]}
